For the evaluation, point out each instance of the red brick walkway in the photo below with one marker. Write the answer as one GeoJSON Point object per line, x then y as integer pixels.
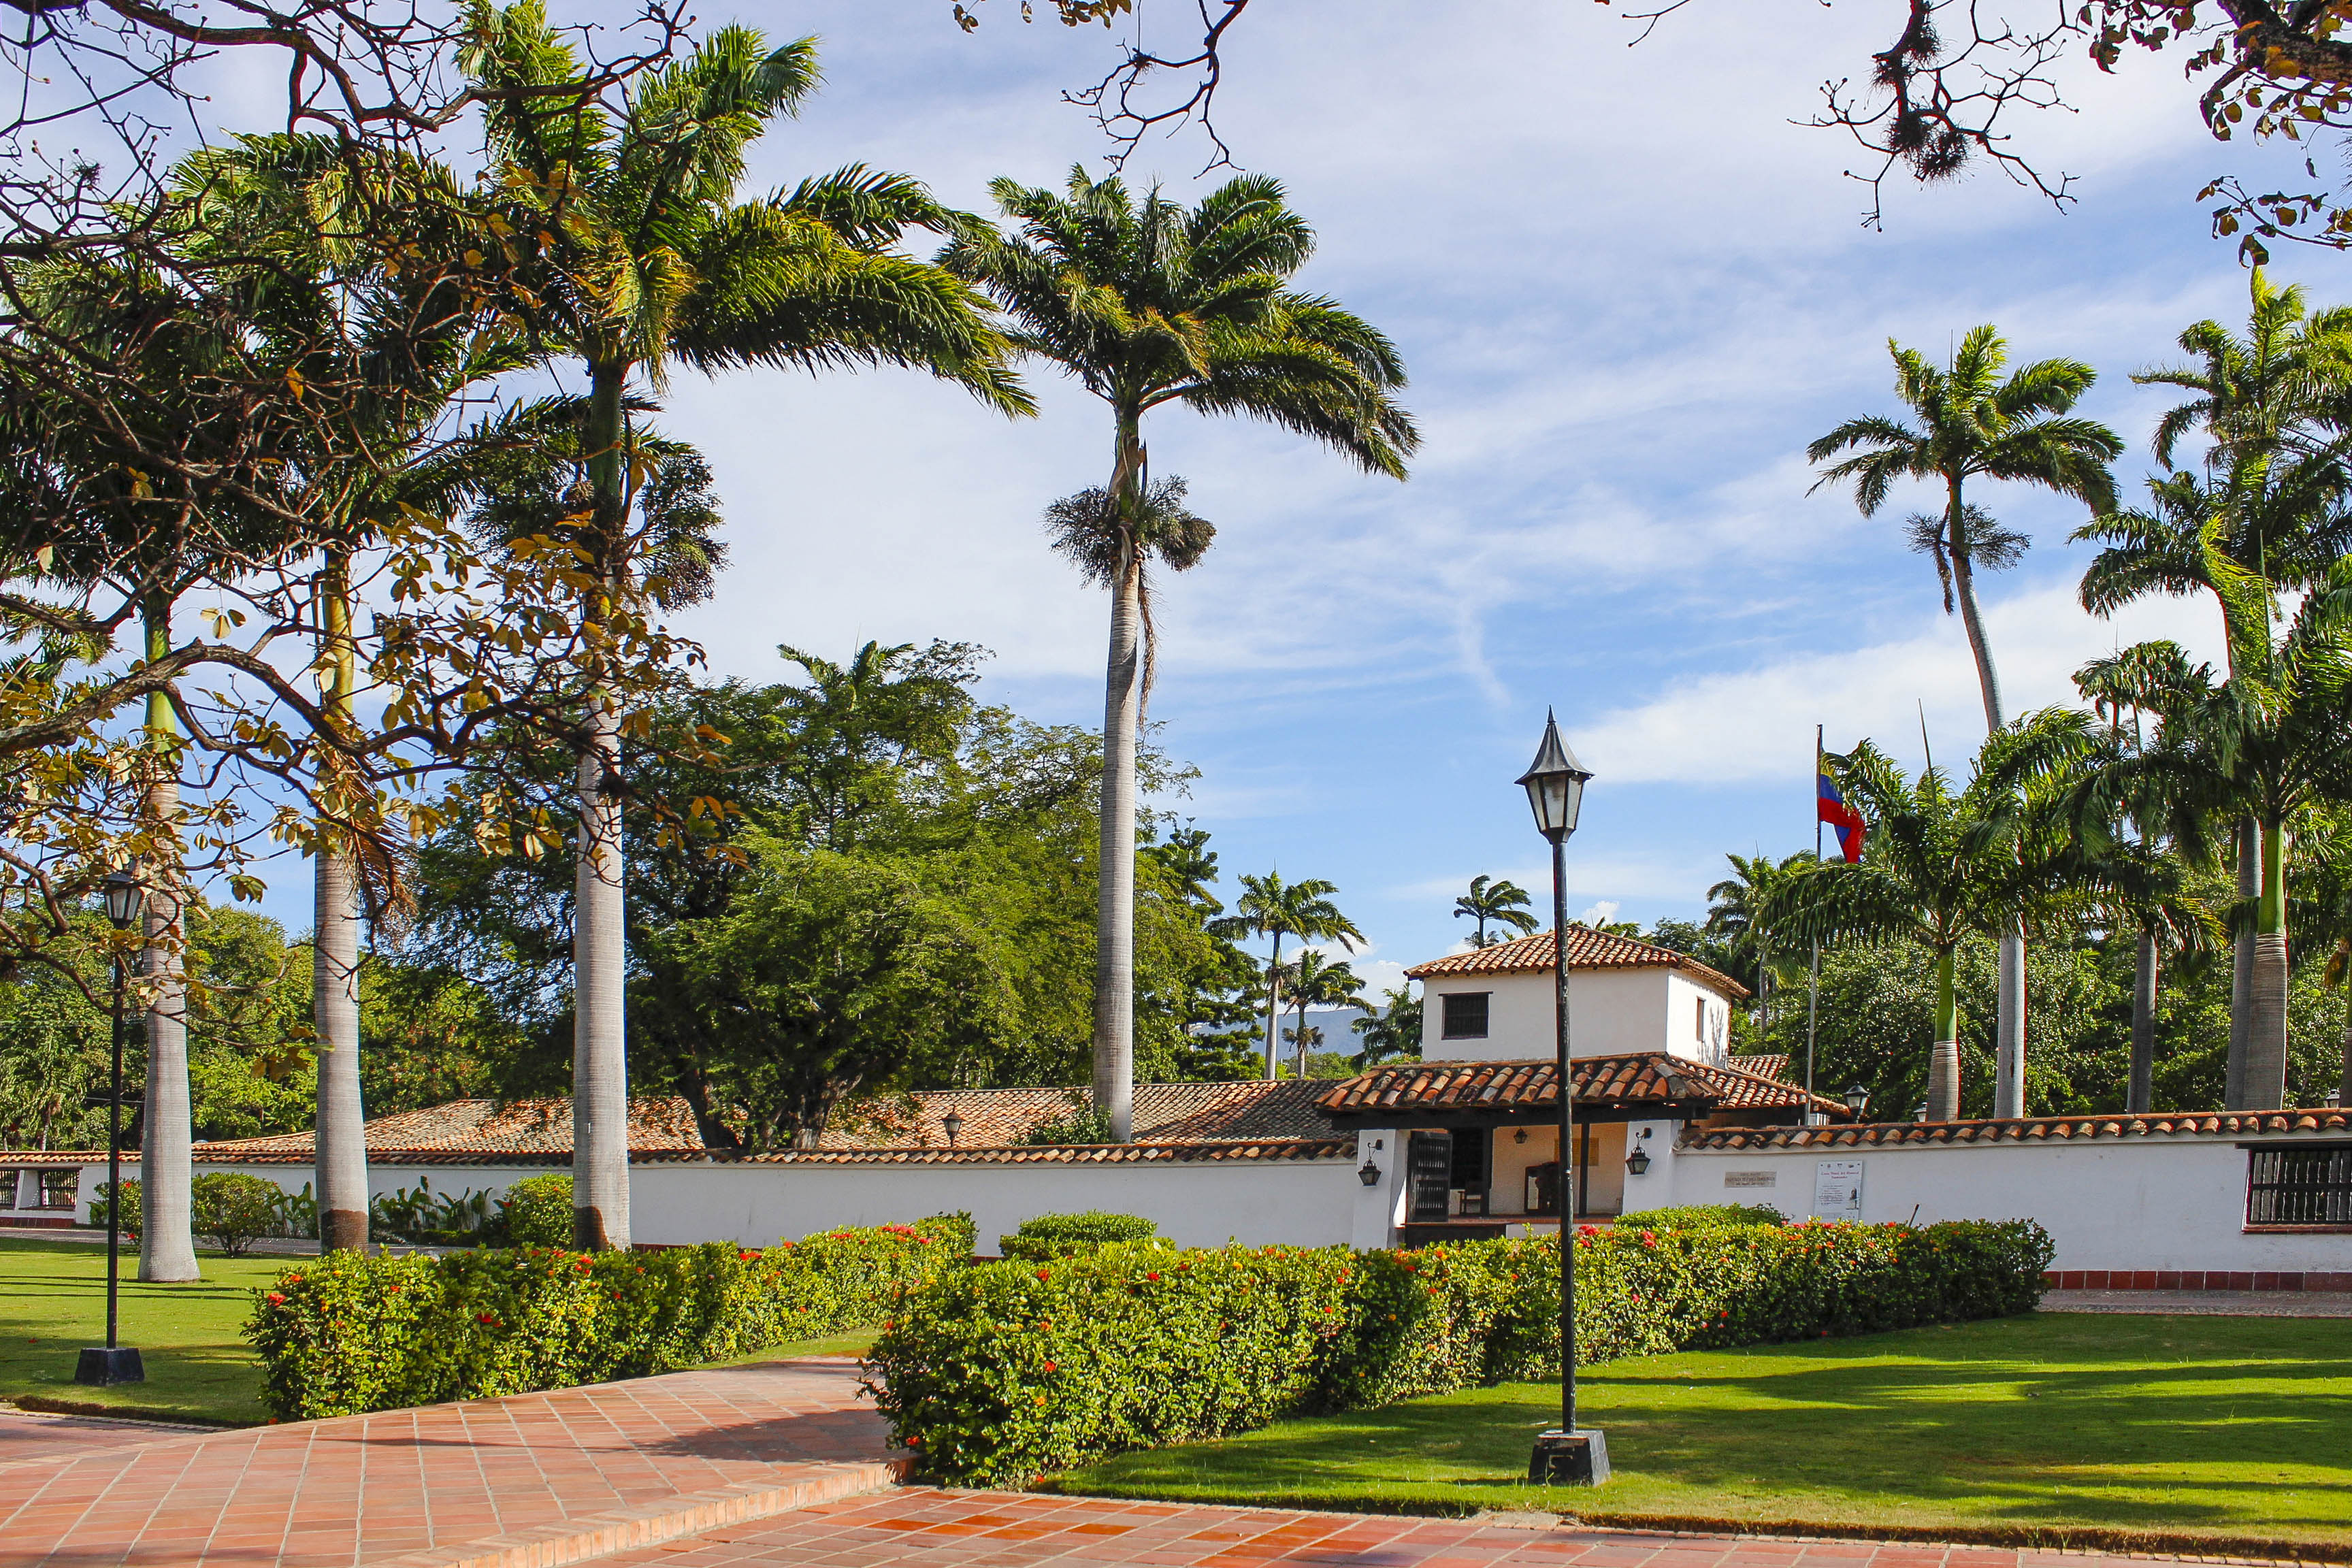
{"type": "Point", "coordinates": [917, 1526]}
{"type": "Point", "coordinates": [536, 1478]}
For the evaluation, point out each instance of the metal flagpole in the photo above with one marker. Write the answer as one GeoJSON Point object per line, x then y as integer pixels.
{"type": "Point", "coordinates": [1814, 987]}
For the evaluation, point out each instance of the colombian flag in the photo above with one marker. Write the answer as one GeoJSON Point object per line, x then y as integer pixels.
{"type": "Point", "coordinates": [1842, 817]}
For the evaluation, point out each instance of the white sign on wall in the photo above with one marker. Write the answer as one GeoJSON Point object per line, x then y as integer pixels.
{"type": "Point", "coordinates": [1837, 1190]}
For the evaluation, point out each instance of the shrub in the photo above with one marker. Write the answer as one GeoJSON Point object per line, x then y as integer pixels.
{"type": "Point", "coordinates": [1704, 1214]}
{"type": "Point", "coordinates": [232, 1210]}
{"type": "Point", "coordinates": [1083, 1125]}
{"type": "Point", "coordinates": [348, 1334]}
{"type": "Point", "coordinates": [1048, 1236]}
{"type": "Point", "coordinates": [1003, 1372]}
{"type": "Point", "coordinates": [130, 1221]}
{"type": "Point", "coordinates": [537, 1212]}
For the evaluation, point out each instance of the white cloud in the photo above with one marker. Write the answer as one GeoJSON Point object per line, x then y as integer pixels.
{"type": "Point", "coordinates": [1741, 726]}
{"type": "Point", "coordinates": [1599, 913]}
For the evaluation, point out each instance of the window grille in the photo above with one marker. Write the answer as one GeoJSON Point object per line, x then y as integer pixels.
{"type": "Point", "coordinates": [1464, 1014]}
{"type": "Point", "coordinates": [57, 1188]}
{"type": "Point", "coordinates": [2299, 1186]}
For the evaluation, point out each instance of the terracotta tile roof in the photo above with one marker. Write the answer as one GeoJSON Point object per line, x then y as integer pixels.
{"type": "Point", "coordinates": [1342, 1147]}
{"type": "Point", "coordinates": [1164, 1113]}
{"type": "Point", "coordinates": [539, 1131]}
{"type": "Point", "coordinates": [2029, 1130]}
{"type": "Point", "coordinates": [1763, 1065]}
{"type": "Point", "coordinates": [1640, 1078]}
{"type": "Point", "coordinates": [1587, 949]}
{"type": "Point", "coordinates": [526, 1132]}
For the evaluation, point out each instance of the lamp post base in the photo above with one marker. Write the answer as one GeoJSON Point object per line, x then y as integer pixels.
{"type": "Point", "coordinates": [102, 1368]}
{"type": "Point", "coordinates": [1578, 1458]}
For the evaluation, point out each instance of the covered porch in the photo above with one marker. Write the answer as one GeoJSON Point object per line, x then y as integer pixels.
{"type": "Point", "coordinates": [1476, 1145]}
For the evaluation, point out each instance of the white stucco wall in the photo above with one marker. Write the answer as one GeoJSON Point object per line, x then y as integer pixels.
{"type": "Point", "coordinates": [1611, 1011]}
{"type": "Point", "coordinates": [2132, 1203]}
{"type": "Point", "coordinates": [1309, 1202]}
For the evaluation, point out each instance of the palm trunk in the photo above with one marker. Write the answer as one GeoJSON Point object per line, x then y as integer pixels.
{"type": "Point", "coordinates": [2265, 1079]}
{"type": "Point", "coordinates": [1273, 1009]}
{"type": "Point", "coordinates": [2140, 1098]}
{"type": "Point", "coordinates": [2242, 976]}
{"type": "Point", "coordinates": [1114, 1041]}
{"type": "Point", "coordinates": [167, 1247]}
{"type": "Point", "coordinates": [600, 1064]}
{"type": "Point", "coordinates": [341, 1139]}
{"type": "Point", "coordinates": [1944, 1055]}
{"type": "Point", "coordinates": [2009, 1010]}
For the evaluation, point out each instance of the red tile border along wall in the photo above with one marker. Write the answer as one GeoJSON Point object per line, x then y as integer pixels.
{"type": "Point", "coordinates": [2193, 1279]}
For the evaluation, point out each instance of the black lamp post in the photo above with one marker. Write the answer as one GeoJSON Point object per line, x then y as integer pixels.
{"type": "Point", "coordinates": [1857, 1099]}
{"type": "Point", "coordinates": [1570, 1454]}
{"type": "Point", "coordinates": [125, 902]}
{"type": "Point", "coordinates": [951, 1124]}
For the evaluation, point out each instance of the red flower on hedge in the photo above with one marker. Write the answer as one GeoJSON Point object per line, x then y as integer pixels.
{"type": "Point", "coordinates": [1049, 1366]}
{"type": "Point", "coordinates": [488, 1318]}
{"type": "Point", "coordinates": [276, 1300]}
{"type": "Point", "coordinates": [1043, 1275]}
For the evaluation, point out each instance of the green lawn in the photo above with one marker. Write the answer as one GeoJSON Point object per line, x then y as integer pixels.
{"type": "Point", "coordinates": [2114, 1425]}
{"type": "Point", "coordinates": [53, 1303]}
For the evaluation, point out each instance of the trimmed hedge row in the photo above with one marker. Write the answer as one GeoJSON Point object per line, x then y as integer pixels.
{"type": "Point", "coordinates": [350, 1333]}
{"type": "Point", "coordinates": [1000, 1374]}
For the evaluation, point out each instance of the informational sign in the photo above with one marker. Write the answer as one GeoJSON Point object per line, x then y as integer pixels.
{"type": "Point", "coordinates": [1837, 1190]}
{"type": "Point", "coordinates": [1751, 1178]}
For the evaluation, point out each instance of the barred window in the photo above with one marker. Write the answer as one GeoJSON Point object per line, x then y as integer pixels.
{"type": "Point", "coordinates": [57, 1188]}
{"type": "Point", "coordinates": [1464, 1014]}
{"type": "Point", "coordinates": [2299, 1186]}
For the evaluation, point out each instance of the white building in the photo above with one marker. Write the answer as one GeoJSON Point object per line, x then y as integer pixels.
{"type": "Point", "coordinates": [1460, 1144]}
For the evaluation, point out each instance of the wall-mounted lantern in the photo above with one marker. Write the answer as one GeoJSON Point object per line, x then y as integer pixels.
{"type": "Point", "coordinates": [1368, 1173]}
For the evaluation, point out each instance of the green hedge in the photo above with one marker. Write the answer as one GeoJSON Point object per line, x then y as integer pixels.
{"type": "Point", "coordinates": [350, 1333]}
{"type": "Point", "coordinates": [1050, 1235]}
{"type": "Point", "coordinates": [1000, 1374]}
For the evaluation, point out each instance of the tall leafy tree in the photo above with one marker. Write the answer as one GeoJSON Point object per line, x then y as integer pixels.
{"type": "Point", "coordinates": [1148, 304]}
{"type": "Point", "coordinates": [1270, 907]}
{"type": "Point", "coordinates": [1942, 864]}
{"type": "Point", "coordinates": [1496, 899]}
{"type": "Point", "coordinates": [1971, 422]}
{"type": "Point", "coordinates": [630, 252]}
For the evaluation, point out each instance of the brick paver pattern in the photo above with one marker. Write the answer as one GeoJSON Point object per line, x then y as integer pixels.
{"type": "Point", "coordinates": [31, 1435]}
{"type": "Point", "coordinates": [367, 1489]}
{"type": "Point", "coordinates": [913, 1527]}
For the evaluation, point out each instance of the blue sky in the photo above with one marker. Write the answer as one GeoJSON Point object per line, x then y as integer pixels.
{"type": "Point", "coordinates": [1630, 290]}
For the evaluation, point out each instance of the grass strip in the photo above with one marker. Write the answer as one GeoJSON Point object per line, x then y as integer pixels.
{"type": "Point", "coordinates": [2215, 1435]}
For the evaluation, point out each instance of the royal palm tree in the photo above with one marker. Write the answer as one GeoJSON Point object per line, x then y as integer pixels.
{"type": "Point", "coordinates": [2262, 743]}
{"type": "Point", "coordinates": [1313, 981]}
{"type": "Point", "coordinates": [154, 530]}
{"type": "Point", "coordinates": [1089, 530]}
{"type": "Point", "coordinates": [1497, 900]}
{"type": "Point", "coordinates": [629, 252]}
{"type": "Point", "coordinates": [392, 347]}
{"type": "Point", "coordinates": [1974, 425]}
{"type": "Point", "coordinates": [1943, 866]}
{"type": "Point", "coordinates": [2270, 404]}
{"type": "Point", "coordinates": [1150, 304]}
{"type": "Point", "coordinates": [1270, 907]}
